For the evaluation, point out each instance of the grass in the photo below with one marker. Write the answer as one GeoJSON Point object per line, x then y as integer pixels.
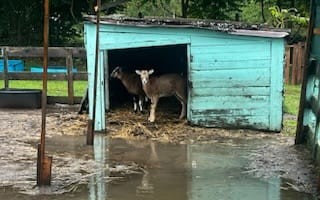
{"type": "Point", "coordinates": [291, 99]}
{"type": "Point", "coordinates": [55, 88]}
{"type": "Point", "coordinates": [291, 107]}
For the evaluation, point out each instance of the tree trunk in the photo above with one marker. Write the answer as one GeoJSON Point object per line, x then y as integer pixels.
{"type": "Point", "coordinates": [184, 8]}
{"type": "Point", "coordinates": [262, 11]}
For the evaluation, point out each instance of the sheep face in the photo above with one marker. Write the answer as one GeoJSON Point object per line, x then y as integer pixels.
{"type": "Point", "coordinates": [144, 75]}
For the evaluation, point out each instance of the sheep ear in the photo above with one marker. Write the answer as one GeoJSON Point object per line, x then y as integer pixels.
{"type": "Point", "coordinates": [138, 72]}
{"type": "Point", "coordinates": [150, 71]}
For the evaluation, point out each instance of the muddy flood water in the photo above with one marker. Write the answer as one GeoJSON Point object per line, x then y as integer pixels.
{"type": "Point", "coordinates": [267, 167]}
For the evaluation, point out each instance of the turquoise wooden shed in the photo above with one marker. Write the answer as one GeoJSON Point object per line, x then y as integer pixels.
{"type": "Point", "coordinates": [235, 71]}
{"type": "Point", "coordinates": [308, 128]}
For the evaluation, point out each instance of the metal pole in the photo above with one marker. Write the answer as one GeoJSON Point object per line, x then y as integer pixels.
{"type": "Point", "coordinates": [91, 124]}
{"type": "Point", "coordinates": [44, 163]}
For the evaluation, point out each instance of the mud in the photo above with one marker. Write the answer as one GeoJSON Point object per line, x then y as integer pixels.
{"type": "Point", "coordinates": [275, 156]}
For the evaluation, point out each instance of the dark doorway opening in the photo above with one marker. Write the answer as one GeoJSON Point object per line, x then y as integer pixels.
{"type": "Point", "coordinates": [163, 59]}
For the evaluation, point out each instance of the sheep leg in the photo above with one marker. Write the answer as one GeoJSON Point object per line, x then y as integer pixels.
{"type": "Point", "coordinates": [141, 104]}
{"type": "Point", "coordinates": [154, 102]}
{"type": "Point", "coordinates": [135, 106]}
{"type": "Point", "coordinates": [183, 102]}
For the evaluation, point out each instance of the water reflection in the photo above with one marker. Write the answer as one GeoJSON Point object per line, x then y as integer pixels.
{"type": "Point", "coordinates": [97, 184]}
{"type": "Point", "coordinates": [165, 171]}
{"type": "Point", "coordinates": [194, 172]}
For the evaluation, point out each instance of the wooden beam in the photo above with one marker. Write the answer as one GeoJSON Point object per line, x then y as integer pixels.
{"type": "Point", "coordinates": [61, 52]}
{"type": "Point", "coordinates": [69, 64]}
{"type": "Point", "coordinates": [62, 99]}
{"type": "Point", "coordinates": [38, 76]}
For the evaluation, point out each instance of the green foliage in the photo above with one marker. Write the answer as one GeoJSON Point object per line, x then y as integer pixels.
{"type": "Point", "coordinates": [291, 19]}
{"type": "Point", "coordinates": [21, 22]}
{"type": "Point", "coordinates": [282, 17]}
{"type": "Point", "coordinates": [213, 9]}
{"type": "Point", "coordinates": [251, 12]}
{"type": "Point", "coordinates": [163, 8]}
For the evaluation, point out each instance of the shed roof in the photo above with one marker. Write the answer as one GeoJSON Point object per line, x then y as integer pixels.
{"type": "Point", "coordinates": [235, 28]}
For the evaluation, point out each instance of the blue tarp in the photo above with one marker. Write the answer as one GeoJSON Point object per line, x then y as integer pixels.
{"type": "Point", "coordinates": [52, 69]}
{"type": "Point", "coordinates": [13, 65]}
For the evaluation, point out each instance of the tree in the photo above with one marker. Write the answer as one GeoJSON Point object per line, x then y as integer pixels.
{"type": "Point", "coordinates": [213, 9]}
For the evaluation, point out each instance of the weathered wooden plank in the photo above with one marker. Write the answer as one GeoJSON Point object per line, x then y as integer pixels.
{"type": "Point", "coordinates": [38, 51]}
{"type": "Point", "coordinates": [38, 76]}
{"type": "Point", "coordinates": [231, 64]}
{"type": "Point", "coordinates": [295, 66]}
{"type": "Point", "coordinates": [129, 40]}
{"type": "Point", "coordinates": [237, 56]}
{"type": "Point", "coordinates": [234, 48]}
{"type": "Point", "coordinates": [231, 91]}
{"type": "Point", "coordinates": [276, 88]}
{"type": "Point", "coordinates": [227, 74]}
{"type": "Point", "coordinates": [218, 83]}
{"type": "Point", "coordinates": [230, 102]}
{"type": "Point", "coordinates": [230, 112]}
{"type": "Point", "coordinates": [226, 40]}
{"type": "Point", "coordinates": [287, 64]}
{"type": "Point", "coordinates": [256, 122]}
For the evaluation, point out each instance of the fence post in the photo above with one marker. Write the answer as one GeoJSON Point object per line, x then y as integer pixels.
{"type": "Point", "coordinates": [301, 61]}
{"type": "Point", "coordinates": [295, 64]}
{"type": "Point", "coordinates": [5, 68]}
{"type": "Point", "coordinates": [69, 64]}
{"type": "Point", "coordinates": [287, 65]}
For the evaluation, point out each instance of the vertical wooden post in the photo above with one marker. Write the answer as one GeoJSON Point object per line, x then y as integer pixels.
{"type": "Point", "coordinates": [5, 68]}
{"type": "Point", "coordinates": [299, 63]}
{"type": "Point", "coordinates": [44, 162]}
{"type": "Point", "coordinates": [91, 123]}
{"type": "Point", "coordinates": [69, 64]}
{"type": "Point", "coordinates": [295, 58]}
{"type": "Point", "coordinates": [287, 65]}
{"type": "Point", "coordinates": [300, 130]}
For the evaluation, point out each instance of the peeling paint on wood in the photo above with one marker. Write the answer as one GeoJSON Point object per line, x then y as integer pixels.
{"type": "Point", "coordinates": [234, 80]}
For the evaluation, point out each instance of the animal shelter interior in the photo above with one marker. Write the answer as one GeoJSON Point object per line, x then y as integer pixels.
{"type": "Point", "coordinates": [162, 59]}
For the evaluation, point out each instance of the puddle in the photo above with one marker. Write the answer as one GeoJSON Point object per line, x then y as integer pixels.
{"type": "Point", "coordinates": [117, 169]}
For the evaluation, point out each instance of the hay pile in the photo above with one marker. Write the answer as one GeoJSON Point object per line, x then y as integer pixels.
{"type": "Point", "coordinates": [123, 123]}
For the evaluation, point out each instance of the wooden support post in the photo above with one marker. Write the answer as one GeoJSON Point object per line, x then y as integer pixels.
{"type": "Point", "coordinates": [91, 123]}
{"type": "Point", "coordinates": [44, 162]}
{"type": "Point", "coordinates": [300, 130]}
{"type": "Point", "coordinates": [69, 64]}
{"type": "Point", "coordinates": [5, 68]}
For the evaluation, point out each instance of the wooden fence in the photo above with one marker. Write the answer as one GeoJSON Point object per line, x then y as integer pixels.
{"type": "Point", "coordinates": [37, 52]}
{"type": "Point", "coordinates": [294, 63]}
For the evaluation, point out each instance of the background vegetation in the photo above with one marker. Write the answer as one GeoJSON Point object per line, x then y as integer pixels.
{"type": "Point", "coordinates": [21, 21]}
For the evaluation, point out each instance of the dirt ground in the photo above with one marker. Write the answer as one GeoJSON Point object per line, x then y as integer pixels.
{"type": "Point", "coordinates": [277, 157]}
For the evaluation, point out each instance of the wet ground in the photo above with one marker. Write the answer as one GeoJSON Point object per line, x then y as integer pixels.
{"type": "Point", "coordinates": [137, 160]}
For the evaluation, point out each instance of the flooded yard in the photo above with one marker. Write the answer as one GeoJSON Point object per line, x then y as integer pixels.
{"type": "Point", "coordinates": [137, 160]}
